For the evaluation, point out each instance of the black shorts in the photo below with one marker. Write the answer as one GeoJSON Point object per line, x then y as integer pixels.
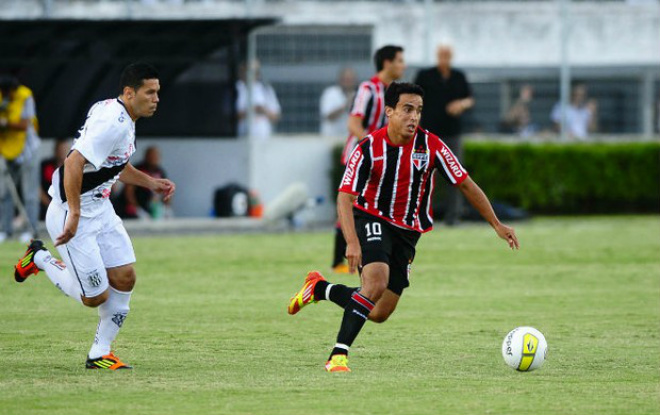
{"type": "Point", "coordinates": [384, 242]}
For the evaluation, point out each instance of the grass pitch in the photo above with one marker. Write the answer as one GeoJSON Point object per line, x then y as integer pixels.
{"type": "Point", "coordinates": [208, 330]}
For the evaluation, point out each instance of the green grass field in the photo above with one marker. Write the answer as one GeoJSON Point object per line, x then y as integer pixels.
{"type": "Point", "coordinates": [209, 333]}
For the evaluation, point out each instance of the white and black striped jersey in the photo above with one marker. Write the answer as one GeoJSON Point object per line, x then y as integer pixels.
{"type": "Point", "coordinates": [106, 141]}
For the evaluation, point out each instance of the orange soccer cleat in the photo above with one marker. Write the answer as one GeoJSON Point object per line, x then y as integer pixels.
{"type": "Point", "coordinates": [26, 266]}
{"type": "Point", "coordinates": [337, 363]}
{"type": "Point", "coordinates": [108, 361]}
{"type": "Point", "coordinates": [306, 294]}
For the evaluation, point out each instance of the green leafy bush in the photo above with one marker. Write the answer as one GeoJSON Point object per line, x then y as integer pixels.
{"type": "Point", "coordinates": [564, 178]}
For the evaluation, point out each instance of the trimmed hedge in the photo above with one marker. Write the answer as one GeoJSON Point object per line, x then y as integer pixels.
{"type": "Point", "coordinates": [564, 178]}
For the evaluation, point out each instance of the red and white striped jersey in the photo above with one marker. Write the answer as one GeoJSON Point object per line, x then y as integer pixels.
{"type": "Point", "coordinates": [395, 182]}
{"type": "Point", "coordinates": [369, 104]}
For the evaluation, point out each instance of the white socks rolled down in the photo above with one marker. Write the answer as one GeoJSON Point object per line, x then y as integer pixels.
{"type": "Point", "coordinates": [58, 274]}
{"type": "Point", "coordinates": [112, 314]}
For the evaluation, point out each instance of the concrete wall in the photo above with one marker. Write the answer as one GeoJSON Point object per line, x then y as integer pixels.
{"type": "Point", "coordinates": [199, 166]}
{"type": "Point", "coordinates": [485, 34]}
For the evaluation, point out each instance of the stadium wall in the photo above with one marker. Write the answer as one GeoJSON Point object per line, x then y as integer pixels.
{"type": "Point", "coordinates": [485, 34]}
{"type": "Point", "coordinates": [200, 166]}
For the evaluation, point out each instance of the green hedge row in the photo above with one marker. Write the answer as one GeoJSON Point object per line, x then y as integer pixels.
{"type": "Point", "coordinates": [565, 178]}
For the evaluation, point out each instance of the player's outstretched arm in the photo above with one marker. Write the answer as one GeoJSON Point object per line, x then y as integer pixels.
{"type": "Point", "coordinates": [345, 213]}
{"type": "Point", "coordinates": [479, 200]}
{"type": "Point", "coordinates": [131, 175]}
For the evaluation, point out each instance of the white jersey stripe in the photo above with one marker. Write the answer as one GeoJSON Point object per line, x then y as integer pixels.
{"type": "Point", "coordinates": [444, 166]}
{"type": "Point", "coordinates": [396, 183]}
{"type": "Point", "coordinates": [382, 175]}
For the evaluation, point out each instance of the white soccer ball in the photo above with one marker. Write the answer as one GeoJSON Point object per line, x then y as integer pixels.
{"type": "Point", "coordinates": [524, 349]}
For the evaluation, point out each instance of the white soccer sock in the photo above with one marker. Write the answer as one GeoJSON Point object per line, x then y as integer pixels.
{"type": "Point", "coordinates": [112, 314]}
{"type": "Point", "coordinates": [58, 274]}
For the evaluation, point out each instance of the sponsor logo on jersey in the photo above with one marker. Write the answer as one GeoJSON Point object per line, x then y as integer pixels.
{"type": "Point", "coordinates": [451, 162]}
{"type": "Point", "coordinates": [350, 168]}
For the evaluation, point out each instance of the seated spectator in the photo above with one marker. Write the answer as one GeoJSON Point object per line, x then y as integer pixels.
{"type": "Point", "coordinates": [139, 202]}
{"type": "Point", "coordinates": [335, 104]}
{"type": "Point", "coordinates": [581, 114]}
{"type": "Point", "coordinates": [48, 167]}
{"type": "Point", "coordinates": [518, 119]}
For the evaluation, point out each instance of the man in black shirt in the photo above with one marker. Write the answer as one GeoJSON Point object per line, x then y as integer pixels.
{"type": "Point", "coordinates": [447, 95]}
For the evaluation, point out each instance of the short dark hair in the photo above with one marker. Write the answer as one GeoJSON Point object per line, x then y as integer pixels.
{"type": "Point", "coordinates": [8, 83]}
{"type": "Point", "coordinates": [135, 74]}
{"type": "Point", "coordinates": [386, 53]}
{"type": "Point", "coordinates": [395, 90]}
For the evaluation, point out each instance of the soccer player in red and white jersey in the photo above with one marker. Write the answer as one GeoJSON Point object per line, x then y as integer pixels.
{"type": "Point", "coordinates": [97, 253]}
{"type": "Point", "coordinates": [368, 115]}
{"type": "Point", "coordinates": [384, 205]}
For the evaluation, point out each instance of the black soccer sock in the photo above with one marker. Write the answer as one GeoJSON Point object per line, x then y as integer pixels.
{"type": "Point", "coordinates": [339, 294]}
{"type": "Point", "coordinates": [340, 248]}
{"type": "Point", "coordinates": [355, 315]}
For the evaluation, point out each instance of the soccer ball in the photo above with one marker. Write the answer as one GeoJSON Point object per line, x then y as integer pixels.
{"type": "Point", "coordinates": [524, 349]}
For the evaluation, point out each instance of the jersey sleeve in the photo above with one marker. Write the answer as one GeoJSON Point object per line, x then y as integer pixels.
{"type": "Point", "coordinates": [99, 138]}
{"type": "Point", "coordinates": [357, 169]}
{"type": "Point", "coordinates": [361, 101]}
{"type": "Point", "coordinates": [447, 164]}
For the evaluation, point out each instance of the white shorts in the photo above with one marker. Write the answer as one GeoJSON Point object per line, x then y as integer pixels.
{"type": "Point", "coordinates": [101, 242]}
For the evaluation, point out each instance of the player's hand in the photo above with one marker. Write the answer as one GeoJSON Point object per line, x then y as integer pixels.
{"type": "Point", "coordinates": [164, 187]}
{"type": "Point", "coordinates": [456, 107]}
{"type": "Point", "coordinates": [508, 234]}
{"type": "Point", "coordinates": [354, 256]}
{"type": "Point", "coordinates": [70, 229]}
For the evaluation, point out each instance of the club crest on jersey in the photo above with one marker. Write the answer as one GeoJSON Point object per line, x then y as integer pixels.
{"type": "Point", "coordinates": [420, 158]}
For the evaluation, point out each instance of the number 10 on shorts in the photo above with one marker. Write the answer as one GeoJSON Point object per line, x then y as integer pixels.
{"type": "Point", "coordinates": [374, 231]}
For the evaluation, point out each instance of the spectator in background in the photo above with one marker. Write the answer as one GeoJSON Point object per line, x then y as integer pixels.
{"type": "Point", "coordinates": [140, 202]}
{"type": "Point", "coordinates": [447, 95]}
{"type": "Point", "coordinates": [48, 167]}
{"type": "Point", "coordinates": [266, 107]}
{"type": "Point", "coordinates": [518, 119]}
{"type": "Point", "coordinates": [581, 114]}
{"type": "Point", "coordinates": [335, 104]}
{"type": "Point", "coordinates": [19, 145]}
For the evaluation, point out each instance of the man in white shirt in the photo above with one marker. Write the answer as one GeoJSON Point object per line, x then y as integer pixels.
{"type": "Point", "coordinates": [335, 104]}
{"type": "Point", "coordinates": [97, 253]}
{"type": "Point", "coordinates": [581, 114]}
{"type": "Point", "coordinates": [266, 107]}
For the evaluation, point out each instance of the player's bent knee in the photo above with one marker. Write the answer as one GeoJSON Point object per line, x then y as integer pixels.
{"type": "Point", "coordinates": [95, 301]}
{"type": "Point", "coordinates": [122, 278]}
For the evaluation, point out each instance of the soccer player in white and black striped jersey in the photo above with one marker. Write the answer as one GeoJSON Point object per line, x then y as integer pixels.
{"type": "Point", "coordinates": [97, 253]}
{"type": "Point", "coordinates": [384, 205]}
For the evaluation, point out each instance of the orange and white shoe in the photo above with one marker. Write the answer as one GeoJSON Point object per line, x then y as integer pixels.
{"type": "Point", "coordinates": [26, 266]}
{"type": "Point", "coordinates": [337, 363]}
{"type": "Point", "coordinates": [306, 294]}
{"type": "Point", "coordinates": [108, 361]}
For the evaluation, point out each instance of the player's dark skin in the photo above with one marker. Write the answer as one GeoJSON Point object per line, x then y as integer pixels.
{"type": "Point", "coordinates": [403, 122]}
